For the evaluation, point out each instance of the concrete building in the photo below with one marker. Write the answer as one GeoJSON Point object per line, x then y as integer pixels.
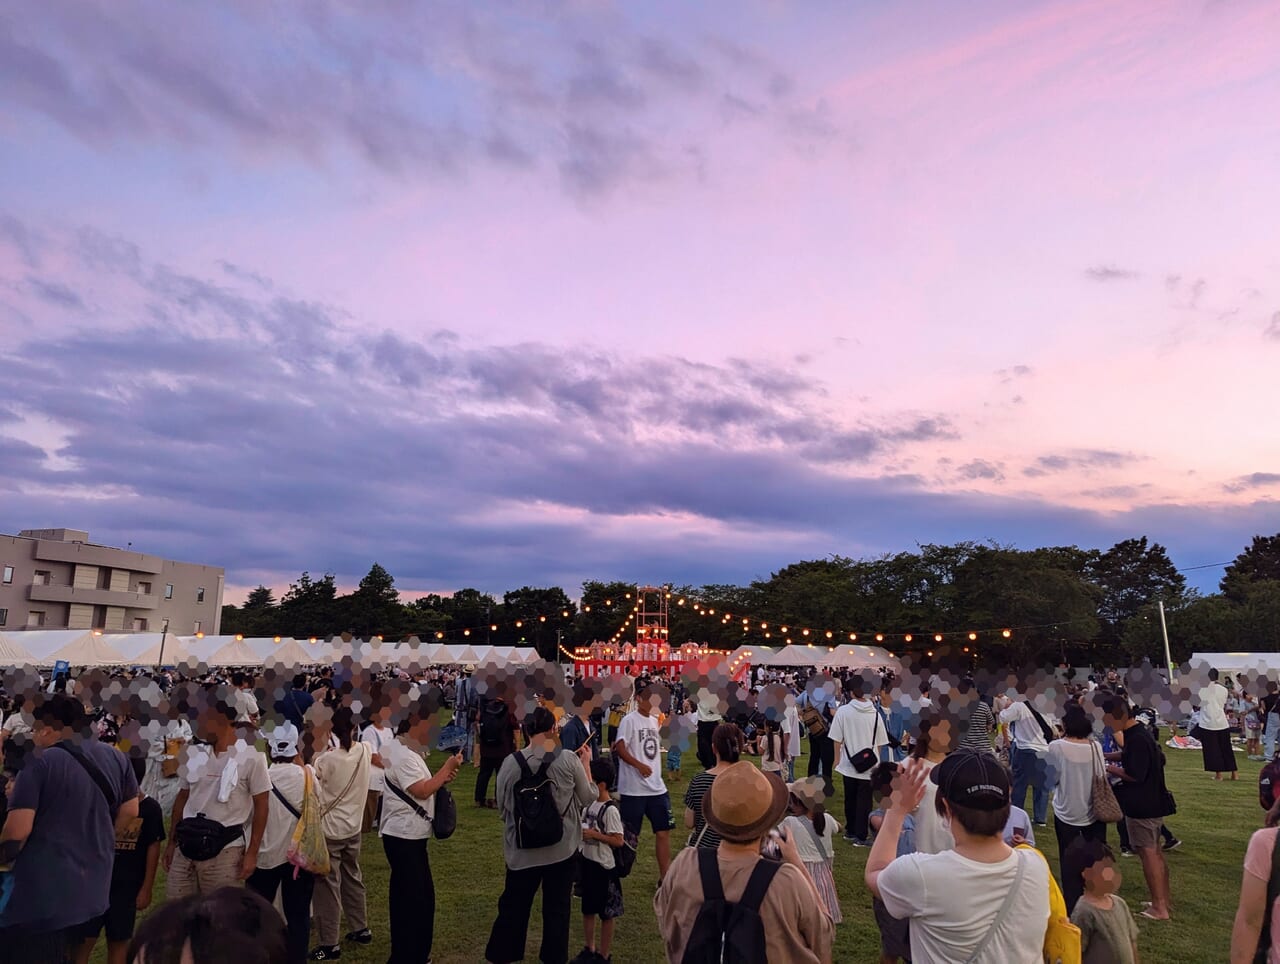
{"type": "Point", "coordinates": [58, 579]}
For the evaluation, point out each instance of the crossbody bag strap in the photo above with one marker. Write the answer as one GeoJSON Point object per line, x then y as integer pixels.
{"type": "Point", "coordinates": [98, 777]}
{"type": "Point", "coordinates": [413, 804]}
{"type": "Point", "coordinates": [350, 783]}
{"type": "Point", "coordinates": [1001, 913]}
{"type": "Point", "coordinates": [297, 814]}
{"type": "Point", "coordinates": [817, 840]}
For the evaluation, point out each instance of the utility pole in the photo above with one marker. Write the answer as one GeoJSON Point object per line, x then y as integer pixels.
{"type": "Point", "coordinates": [1164, 629]}
{"type": "Point", "coordinates": [164, 634]}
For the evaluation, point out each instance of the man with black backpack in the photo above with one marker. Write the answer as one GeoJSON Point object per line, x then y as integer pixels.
{"type": "Point", "coordinates": [496, 728]}
{"type": "Point", "coordinates": [751, 901]}
{"type": "Point", "coordinates": [542, 791]}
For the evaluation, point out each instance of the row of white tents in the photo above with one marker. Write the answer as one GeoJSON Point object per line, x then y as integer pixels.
{"type": "Point", "coordinates": [79, 647]}
{"type": "Point", "coordinates": [847, 656]}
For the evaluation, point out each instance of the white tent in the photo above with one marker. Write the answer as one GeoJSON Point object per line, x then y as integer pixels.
{"type": "Point", "coordinates": [89, 649]}
{"type": "Point", "coordinates": [797, 655]}
{"type": "Point", "coordinates": [43, 643]}
{"type": "Point", "coordinates": [175, 652]}
{"type": "Point", "coordinates": [288, 654]}
{"type": "Point", "coordinates": [851, 656]}
{"type": "Point", "coordinates": [130, 645]}
{"type": "Point", "coordinates": [755, 655]}
{"type": "Point", "coordinates": [13, 653]}
{"type": "Point", "coordinates": [1239, 662]}
{"type": "Point", "coordinates": [203, 647]}
{"type": "Point", "coordinates": [235, 653]}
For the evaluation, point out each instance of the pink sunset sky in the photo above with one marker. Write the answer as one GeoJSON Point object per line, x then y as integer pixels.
{"type": "Point", "coordinates": [500, 295]}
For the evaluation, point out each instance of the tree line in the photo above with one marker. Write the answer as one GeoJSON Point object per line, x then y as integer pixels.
{"type": "Point", "coordinates": [1064, 603]}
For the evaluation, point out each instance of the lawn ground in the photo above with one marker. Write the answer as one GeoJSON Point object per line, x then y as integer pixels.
{"type": "Point", "coordinates": [1214, 821]}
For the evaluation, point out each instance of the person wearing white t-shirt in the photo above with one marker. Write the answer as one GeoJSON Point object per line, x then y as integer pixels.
{"type": "Point", "coordinates": [375, 736]}
{"type": "Point", "coordinates": [274, 872]}
{"type": "Point", "coordinates": [857, 726]}
{"type": "Point", "coordinates": [1001, 913]}
{"type": "Point", "coordinates": [641, 789]}
{"type": "Point", "coordinates": [405, 827]}
{"type": "Point", "coordinates": [226, 781]}
{"type": "Point", "coordinates": [1214, 730]}
{"type": "Point", "coordinates": [1027, 756]}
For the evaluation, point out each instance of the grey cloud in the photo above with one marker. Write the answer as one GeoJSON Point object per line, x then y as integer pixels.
{"type": "Point", "coordinates": [1080, 459]}
{"type": "Point", "coordinates": [55, 292]}
{"type": "Point", "coordinates": [1256, 480]}
{"type": "Point", "coordinates": [599, 83]}
{"type": "Point", "coordinates": [1110, 272]}
{"type": "Point", "coordinates": [981, 469]}
{"type": "Point", "coordinates": [19, 235]}
{"type": "Point", "coordinates": [597, 159]}
{"type": "Point", "coordinates": [666, 63]}
{"type": "Point", "coordinates": [1273, 329]}
{"type": "Point", "coordinates": [1013, 373]}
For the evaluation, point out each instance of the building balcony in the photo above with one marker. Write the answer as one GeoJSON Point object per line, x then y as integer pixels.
{"type": "Point", "coordinates": [77, 553]}
{"type": "Point", "coordinates": [92, 597]}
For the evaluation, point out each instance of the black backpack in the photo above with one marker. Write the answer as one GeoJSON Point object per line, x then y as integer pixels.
{"type": "Point", "coordinates": [539, 822]}
{"type": "Point", "coordinates": [624, 857]}
{"type": "Point", "coordinates": [724, 932]}
{"type": "Point", "coordinates": [494, 723]}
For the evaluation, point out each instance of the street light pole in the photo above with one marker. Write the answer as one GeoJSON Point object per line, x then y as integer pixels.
{"type": "Point", "coordinates": [164, 634]}
{"type": "Point", "coordinates": [1164, 629]}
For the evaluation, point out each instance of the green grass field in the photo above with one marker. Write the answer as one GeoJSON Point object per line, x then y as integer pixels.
{"type": "Point", "coordinates": [1214, 821]}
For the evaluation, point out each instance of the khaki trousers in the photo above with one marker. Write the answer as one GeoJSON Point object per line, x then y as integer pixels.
{"type": "Point", "coordinates": [343, 882]}
{"type": "Point", "coordinates": [187, 877]}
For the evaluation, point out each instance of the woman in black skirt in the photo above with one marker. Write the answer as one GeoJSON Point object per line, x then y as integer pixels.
{"type": "Point", "coordinates": [1213, 731]}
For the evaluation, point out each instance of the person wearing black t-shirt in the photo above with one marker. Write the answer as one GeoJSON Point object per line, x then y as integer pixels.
{"type": "Point", "coordinates": [1143, 797]}
{"type": "Point", "coordinates": [133, 878]}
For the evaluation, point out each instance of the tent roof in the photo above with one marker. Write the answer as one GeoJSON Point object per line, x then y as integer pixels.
{"type": "Point", "coordinates": [175, 652]}
{"type": "Point", "coordinates": [797, 655]}
{"type": "Point", "coordinates": [43, 643]}
{"type": "Point", "coordinates": [852, 656]}
{"type": "Point", "coordinates": [89, 649]}
{"type": "Point", "coordinates": [235, 653]}
{"type": "Point", "coordinates": [289, 653]}
{"type": "Point", "coordinates": [12, 653]}
{"type": "Point", "coordinates": [1239, 662]}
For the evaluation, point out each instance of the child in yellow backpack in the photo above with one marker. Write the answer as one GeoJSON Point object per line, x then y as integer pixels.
{"type": "Point", "coordinates": [1108, 934]}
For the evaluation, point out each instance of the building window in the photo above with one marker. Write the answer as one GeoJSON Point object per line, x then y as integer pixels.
{"type": "Point", "coordinates": [200, 594]}
{"type": "Point", "coordinates": [4, 616]}
{"type": "Point", "coordinates": [168, 591]}
{"type": "Point", "coordinates": [43, 577]}
{"type": "Point", "coordinates": [144, 588]}
{"type": "Point", "coordinates": [197, 629]}
{"type": "Point", "coordinates": [8, 575]}
{"type": "Point", "coordinates": [139, 625]}
{"type": "Point", "coordinates": [35, 617]}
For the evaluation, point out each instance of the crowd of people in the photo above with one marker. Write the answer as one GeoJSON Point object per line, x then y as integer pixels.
{"type": "Point", "coordinates": [252, 791]}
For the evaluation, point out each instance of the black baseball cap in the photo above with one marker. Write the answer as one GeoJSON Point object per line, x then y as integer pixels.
{"type": "Point", "coordinates": [969, 778]}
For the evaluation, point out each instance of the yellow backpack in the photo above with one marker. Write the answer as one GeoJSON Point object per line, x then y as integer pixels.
{"type": "Point", "coordinates": [1062, 938]}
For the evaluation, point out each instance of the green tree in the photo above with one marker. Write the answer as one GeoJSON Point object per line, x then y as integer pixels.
{"type": "Point", "coordinates": [374, 608]}
{"type": "Point", "coordinates": [309, 607]}
{"type": "Point", "coordinates": [543, 612]}
{"type": "Point", "coordinates": [1204, 623]}
{"type": "Point", "coordinates": [1132, 575]}
{"type": "Point", "coordinates": [258, 614]}
{"type": "Point", "coordinates": [1260, 562]}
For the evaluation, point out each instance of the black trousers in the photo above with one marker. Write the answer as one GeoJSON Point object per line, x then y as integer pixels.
{"type": "Point", "coordinates": [822, 754]}
{"type": "Point", "coordinates": [48, 947]}
{"type": "Point", "coordinates": [411, 901]}
{"type": "Point", "coordinates": [1071, 871]}
{"type": "Point", "coordinates": [489, 766]}
{"type": "Point", "coordinates": [295, 897]}
{"type": "Point", "coordinates": [510, 930]}
{"type": "Point", "coordinates": [705, 756]}
{"type": "Point", "coordinates": [857, 807]}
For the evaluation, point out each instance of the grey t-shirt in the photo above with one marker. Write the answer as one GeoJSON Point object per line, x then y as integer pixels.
{"type": "Point", "coordinates": [1106, 936]}
{"type": "Point", "coordinates": [572, 790]}
{"type": "Point", "coordinates": [63, 874]}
